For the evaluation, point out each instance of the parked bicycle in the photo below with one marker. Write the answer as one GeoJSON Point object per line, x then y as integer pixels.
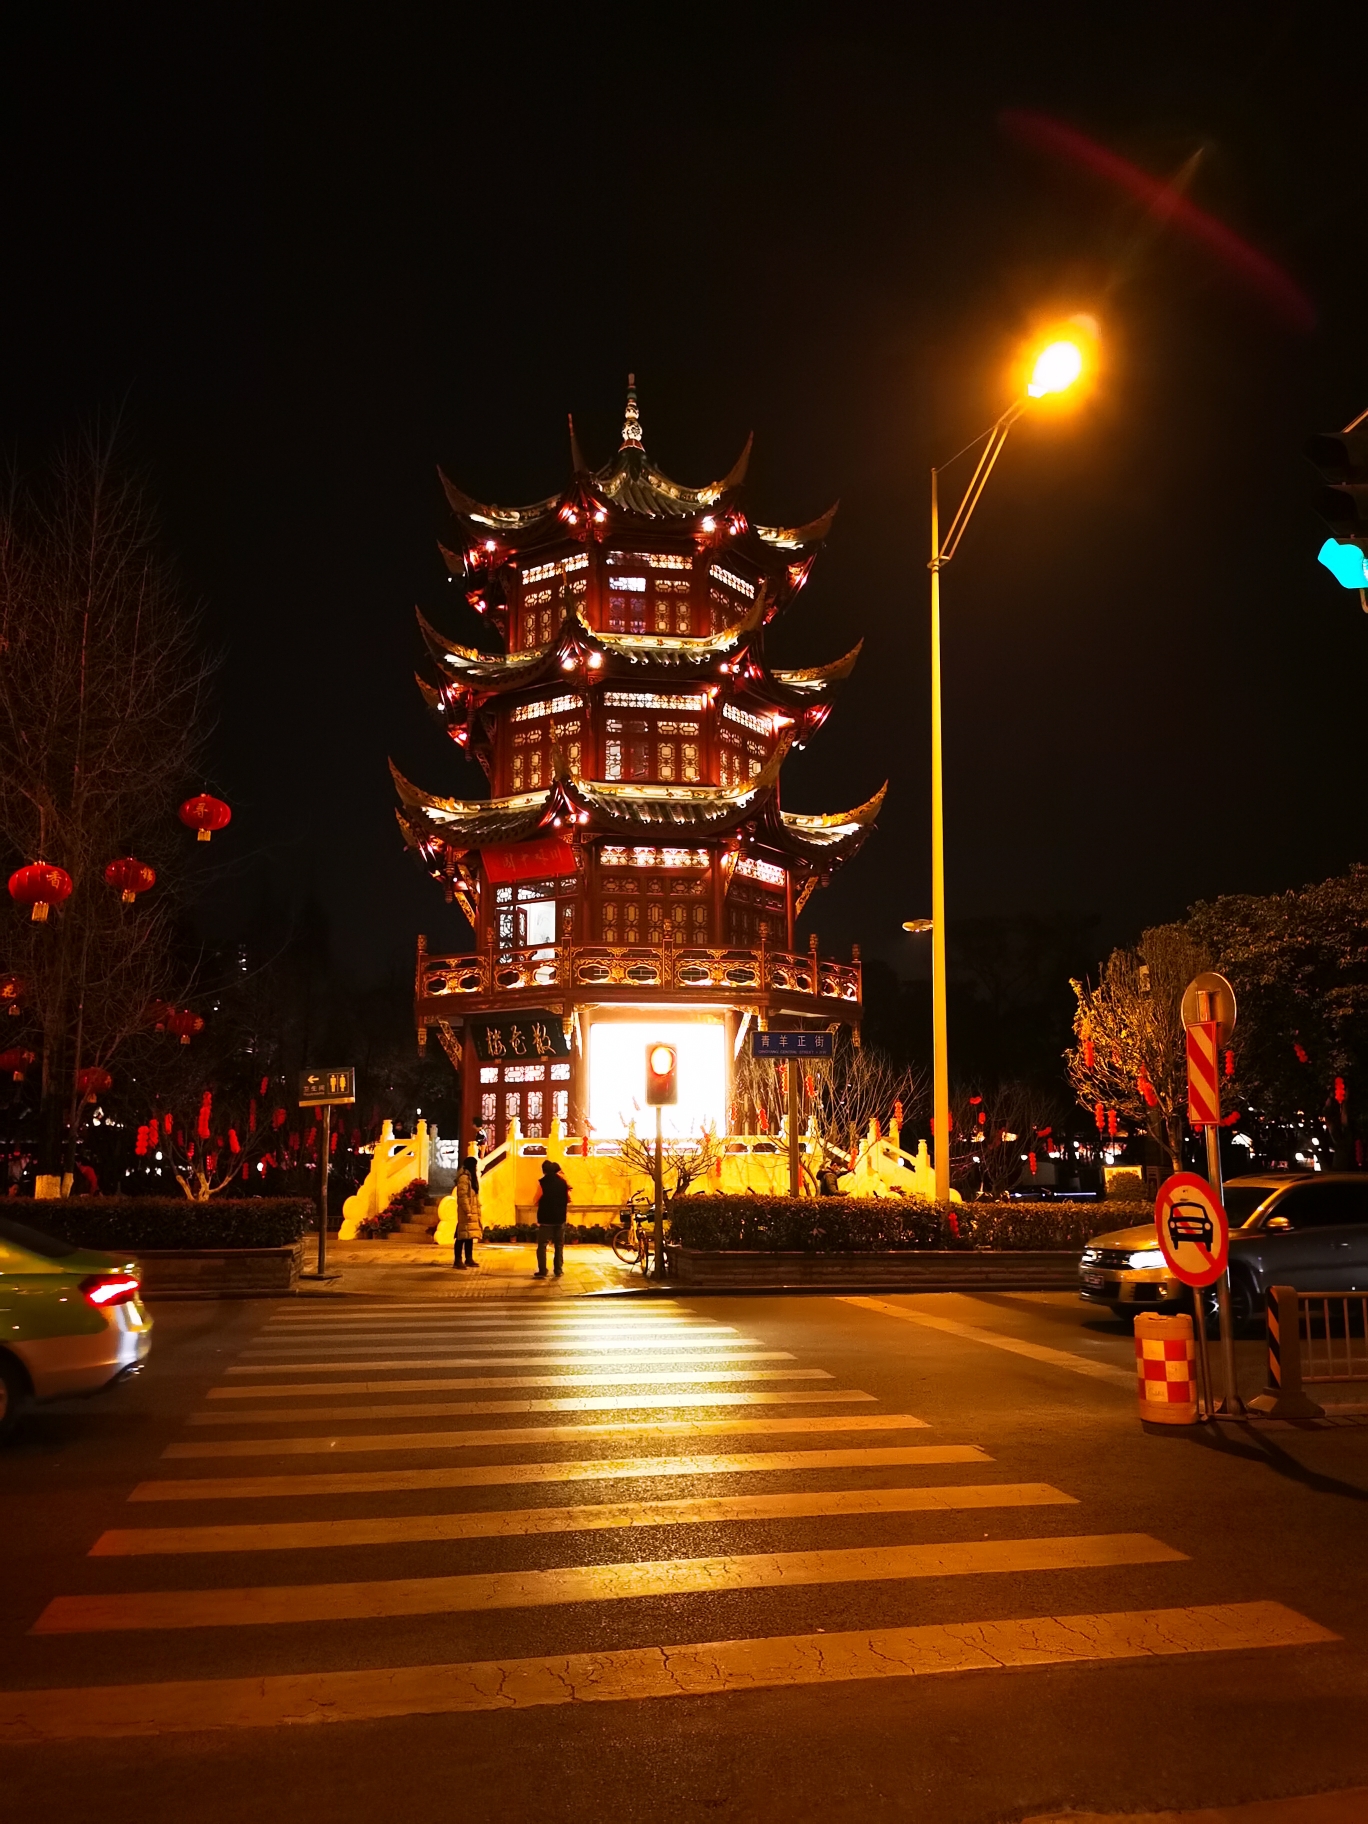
{"type": "Point", "coordinates": [634, 1242]}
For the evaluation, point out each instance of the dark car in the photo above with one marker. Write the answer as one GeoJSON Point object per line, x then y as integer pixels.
{"type": "Point", "coordinates": [1303, 1229]}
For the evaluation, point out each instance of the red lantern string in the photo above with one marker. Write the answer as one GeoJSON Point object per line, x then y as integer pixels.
{"type": "Point", "coordinates": [1300, 1050]}
{"type": "Point", "coordinates": [1100, 1116]}
{"type": "Point", "coordinates": [1341, 1093]}
{"type": "Point", "coordinates": [279, 1118]}
{"type": "Point", "coordinates": [1230, 1063]}
{"type": "Point", "coordinates": [234, 1144]}
{"type": "Point", "coordinates": [1089, 1054]}
{"type": "Point", "coordinates": [1031, 1158]}
{"type": "Point", "coordinates": [1111, 1122]}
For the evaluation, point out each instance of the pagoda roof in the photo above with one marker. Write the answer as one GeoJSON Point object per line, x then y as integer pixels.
{"type": "Point", "coordinates": [813, 679]}
{"type": "Point", "coordinates": [460, 825]}
{"type": "Point", "coordinates": [636, 487]}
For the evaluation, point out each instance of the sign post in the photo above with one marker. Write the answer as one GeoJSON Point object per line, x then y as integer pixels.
{"type": "Point", "coordinates": [662, 1092]}
{"type": "Point", "coordinates": [322, 1089]}
{"type": "Point", "coordinates": [1209, 1019]}
{"type": "Point", "coordinates": [787, 1046]}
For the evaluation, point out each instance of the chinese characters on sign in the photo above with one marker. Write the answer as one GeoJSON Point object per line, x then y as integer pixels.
{"type": "Point", "coordinates": [791, 1044]}
{"type": "Point", "coordinates": [321, 1088]}
{"type": "Point", "coordinates": [534, 1034]}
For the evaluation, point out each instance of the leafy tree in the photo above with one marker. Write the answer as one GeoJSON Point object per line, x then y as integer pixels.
{"type": "Point", "coordinates": [1130, 1050]}
{"type": "Point", "coordinates": [1298, 962]}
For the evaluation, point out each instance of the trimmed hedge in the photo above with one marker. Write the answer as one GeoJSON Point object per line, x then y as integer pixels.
{"type": "Point", "coordinates": [528, 1231]}
{"type": "Point", "coordinates": [126, 1224]}
{"type": "Point", "coordinates": [868, 1225]}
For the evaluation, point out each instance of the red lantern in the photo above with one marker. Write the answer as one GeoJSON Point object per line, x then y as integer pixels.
{"type": "Point", "coordinates": [204, 815]}
{"type": "Point", "coordinates": [17, 1061]}
{"type": "Point", "coordinates": [40, 885]}
{"type": "Point", "coordinates": [1298, 1048]}
{"type": "Point", "coordinates": [93, 1082]}
{"type": "Point", "coordinates": [1111, 1122]}
{"type": "Point", "coordinates": [131, 877]}
{"type": "Point", "coordinates": [1341, 1093]}
{"type": "Point", "coordinates": [1031, 1159]}
{"type": "Point", "coordinates": [1230, 1064]}
{"type": "Point", "coordinates": [183, 1023]}
{"type": "Point", "coordinates": [1089, 1054]}
{"type": "Point", "coordinates": [13, 988]}
{"type": "Point", "coordinates": [1100, 1116]}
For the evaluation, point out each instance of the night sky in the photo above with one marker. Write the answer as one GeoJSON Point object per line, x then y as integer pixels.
{"type": "Point", "coordinates": [306, 272]}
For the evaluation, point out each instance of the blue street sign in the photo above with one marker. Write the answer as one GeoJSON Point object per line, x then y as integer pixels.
{"type": "Point", "coordinates": [791, 1044]}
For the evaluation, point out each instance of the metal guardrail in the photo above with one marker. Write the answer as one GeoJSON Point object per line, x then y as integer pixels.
{"type": "Point", "coordinates": [1320, 1338]}
{"type": "Point", "coordinates": [1333, 1333]}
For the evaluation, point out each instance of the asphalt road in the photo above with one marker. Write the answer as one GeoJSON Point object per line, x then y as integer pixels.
{"type": "Point", "coordinates": [835, 1559]}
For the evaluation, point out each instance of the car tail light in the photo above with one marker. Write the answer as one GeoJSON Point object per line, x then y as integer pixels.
{"type": "Point", "coordinates": [104, 1289]}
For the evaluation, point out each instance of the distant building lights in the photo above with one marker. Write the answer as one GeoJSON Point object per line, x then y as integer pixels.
{"type": "Point", "coordinates": [489, 544]}
{"type": "Point", "coordinates": [595, 660]}
{"type": "Point", "coordinates": [709, 523]}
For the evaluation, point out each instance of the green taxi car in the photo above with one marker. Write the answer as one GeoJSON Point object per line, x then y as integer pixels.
{"type": "Point", "coordinates": [71, 1321]}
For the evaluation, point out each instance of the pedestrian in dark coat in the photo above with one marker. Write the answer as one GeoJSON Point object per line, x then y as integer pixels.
{"type": "Point", "coordinates": [553, 1203]}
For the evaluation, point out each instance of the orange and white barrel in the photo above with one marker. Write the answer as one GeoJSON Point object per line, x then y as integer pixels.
{"type": "Point", "coordinates": [1166, 1368]}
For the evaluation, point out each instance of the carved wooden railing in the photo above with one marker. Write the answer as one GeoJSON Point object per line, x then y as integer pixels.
{"type": "Point", "coordinates": [683, 967]}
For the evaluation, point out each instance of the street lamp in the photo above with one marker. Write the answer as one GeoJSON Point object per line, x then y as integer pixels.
{"type": "Point", "coordinates": [917, 926]}
{"type": "Point", "coordinates": [1058, 365]}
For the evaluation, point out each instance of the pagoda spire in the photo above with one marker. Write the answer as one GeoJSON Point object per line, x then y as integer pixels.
{"type": "Point", "coordinates": [631, 423]}
{"type": "Point", "coordinates": [577, 462]}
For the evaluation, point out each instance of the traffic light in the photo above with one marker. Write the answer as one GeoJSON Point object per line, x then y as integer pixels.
{"type": "Point", "coordinates": [1342, 458]}
{"type": "Point", "coordinates": [662, 1076]}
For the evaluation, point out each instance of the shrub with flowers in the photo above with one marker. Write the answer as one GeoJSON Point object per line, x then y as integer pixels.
{"type": "Point", "coordinates": [413, 1197]}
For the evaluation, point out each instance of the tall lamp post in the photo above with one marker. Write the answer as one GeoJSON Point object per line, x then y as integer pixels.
{"type": "Point", "coordinates": [1057, 367]}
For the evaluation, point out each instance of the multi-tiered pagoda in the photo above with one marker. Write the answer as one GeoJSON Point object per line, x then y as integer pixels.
{"type": "Point", "coordinates": [631, 875]}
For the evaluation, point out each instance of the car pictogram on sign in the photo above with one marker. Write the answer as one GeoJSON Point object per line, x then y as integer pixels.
{"type": "Point", "coordinates": [1190, 1222]}
{"type": "Point", "coordinates": [1192, 1229]}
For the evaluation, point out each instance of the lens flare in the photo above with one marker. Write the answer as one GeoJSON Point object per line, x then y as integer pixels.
{"type": "Point", "coordinates": [1166, 204]}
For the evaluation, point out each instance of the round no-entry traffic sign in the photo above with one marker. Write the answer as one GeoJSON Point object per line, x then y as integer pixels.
{"type": "Point", "coordinates": [1193, 1232]}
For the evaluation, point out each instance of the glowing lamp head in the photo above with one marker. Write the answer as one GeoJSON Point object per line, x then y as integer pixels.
{"type": "Point", "coordinates": [1056, 368]}
{"type": "Point", "coordinates": [662, 1075]}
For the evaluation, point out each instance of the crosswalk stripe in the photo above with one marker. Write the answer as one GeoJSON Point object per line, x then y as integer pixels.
{"type": "Point", "coordinates": [559, 1360]}
{"type": "Point", "coordinates": [361, 1352]}
{"type": "Point", "coordinates": [374, 1599]}
{"type": "Point", "coordinates": [480, 1381]}
{"type": "Point", "coordinates": [486, 1314]}
{"type": "Point", "coordinates": [511, 1523]}
{"type": "Point", "coordinates": [511, 1339]}
{"type": "Point", "coordinates": [496, 1438]}
{"type": "Point", "coordinates": [583, 1469]}
{"type": "Point", "coordinates": [467, 1409]}
{"type": "Point", "coordinates": [362, 1322]}
{"type": "Point", "coordinates": [633, 1673]}
{"type": "Point", "coordinates": [615, 1312]}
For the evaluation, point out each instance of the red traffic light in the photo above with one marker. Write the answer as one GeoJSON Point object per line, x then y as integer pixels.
{"type": "Point", "coordinates": [662, 1076]}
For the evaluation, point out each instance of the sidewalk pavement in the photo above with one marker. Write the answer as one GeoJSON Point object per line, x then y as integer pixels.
{"type": "Point", "coordinates": [395, 1269]}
